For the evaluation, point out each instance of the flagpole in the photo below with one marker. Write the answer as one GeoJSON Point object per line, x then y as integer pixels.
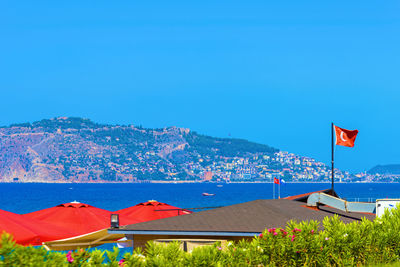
{"type": "Point", "coordinates": [333, 156]}
{"type": "Point", "coordinates": [279, 190]}
{"type": "Point", "coordinates": [273, 189]}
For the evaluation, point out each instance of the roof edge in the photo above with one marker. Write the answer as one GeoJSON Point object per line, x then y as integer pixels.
{"type": "Point", "coordinates": [185, 233]}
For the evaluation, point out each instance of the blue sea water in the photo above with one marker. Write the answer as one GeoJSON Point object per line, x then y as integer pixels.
{"type": "Point", "coordinates": [24, 198]}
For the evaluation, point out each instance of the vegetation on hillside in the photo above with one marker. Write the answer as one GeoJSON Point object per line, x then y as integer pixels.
{"type": "Point", "coordinates": [60, 123]}
{"type": "Point", "coordinates": [77, 149]}
{"type": "Point", "coordinates": [227, 147]}
{"type": "Point", "coordinates": [386, 169]}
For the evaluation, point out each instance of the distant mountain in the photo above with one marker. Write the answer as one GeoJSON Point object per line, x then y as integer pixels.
{"type": "Point", "coordinates": [389, 169]}
{"type": "Point", "coordinates": [68, 149]}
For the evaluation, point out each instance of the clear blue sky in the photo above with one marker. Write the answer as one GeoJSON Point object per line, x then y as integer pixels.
{"type": "Point", "coordinates": [274, 72]}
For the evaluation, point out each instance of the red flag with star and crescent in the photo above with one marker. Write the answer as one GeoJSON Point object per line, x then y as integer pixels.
{"type": "Point", "coordinates": [276, 181]}
{"type": "Point", "coordinates": [345, 137]}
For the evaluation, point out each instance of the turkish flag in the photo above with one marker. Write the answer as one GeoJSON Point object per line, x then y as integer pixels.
{"type": "Point", "coordinates": [345, 137]}
{"type": "Point", "coordinates": [276, 181]}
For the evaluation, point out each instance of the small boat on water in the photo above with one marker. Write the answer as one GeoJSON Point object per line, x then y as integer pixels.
{"type": "Point", "coordinates": [208, 194]}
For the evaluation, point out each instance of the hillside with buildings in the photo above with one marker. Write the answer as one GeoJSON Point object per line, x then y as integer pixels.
{"type": "Point", "coordinates": [79, 150]}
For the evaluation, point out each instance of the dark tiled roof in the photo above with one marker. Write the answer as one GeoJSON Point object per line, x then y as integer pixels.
{"type": "Point", "coordinates": [248, 217]}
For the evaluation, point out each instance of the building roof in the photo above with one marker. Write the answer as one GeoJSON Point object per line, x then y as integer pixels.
{"type": "Point", "coordinates": [304, 197]}
{"type": "Point", "coordinates": [249, 217]}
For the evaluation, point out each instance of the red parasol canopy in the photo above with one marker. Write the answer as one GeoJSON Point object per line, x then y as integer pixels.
{"type": "Point", "coordinates": [151, 210]}
{"type": "Point", "coordinates": [26, 231]}
{"type": "Point", "coordinates": [80, 217]}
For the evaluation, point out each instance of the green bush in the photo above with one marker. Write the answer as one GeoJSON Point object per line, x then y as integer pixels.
{"type": "Point", "coordinates": [364, 243]}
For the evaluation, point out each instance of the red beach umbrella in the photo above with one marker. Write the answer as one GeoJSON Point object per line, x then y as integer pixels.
{"type": "Point", "coordinates": [26, 231]}
{"type": "Point", "coordinates": [151, 210]}
{"type": "Point", "coordinates": [80, 217]}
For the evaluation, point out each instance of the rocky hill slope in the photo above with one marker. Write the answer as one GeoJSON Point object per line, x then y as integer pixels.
{"type": "Point", "coordinates": [79, 150]}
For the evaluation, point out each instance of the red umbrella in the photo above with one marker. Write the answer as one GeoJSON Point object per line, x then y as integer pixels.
{"type": "Point", "coordinates": [151, 210]}
{"type": "Point", "coordinates": [26, 231]}
{"type": "Point", "coordinates": [80, 217]}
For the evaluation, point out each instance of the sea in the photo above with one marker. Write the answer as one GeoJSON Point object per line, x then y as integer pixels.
{"type": "Point", "coordinates": [28, 197]}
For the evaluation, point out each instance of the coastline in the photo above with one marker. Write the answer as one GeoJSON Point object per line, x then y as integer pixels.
{"type": "Point", "coordinates": [195, 182]}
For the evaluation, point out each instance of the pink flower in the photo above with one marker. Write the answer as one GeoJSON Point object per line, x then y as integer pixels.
{"type": "Point", "coordinates": [261, 235]}
{"type": "Point", "coordinates": [121, 262]}
{"type": "Point", "coordinates": [293, 236]}
{"type": "Point", "coordinates": [275, 233]}
{"type": "Point", "coordinates": [271, 230]}
{"type": "Point", "coordinates": [69, 257]}
{"type": "Point", "coordinates": [219, 248]}
{"type": "Point", "coordinates": [326, 238]}
{"type": "Point", "coordinates": [284, 233]}
{"type": "Point", "coordinates": [312, 231]}
{"type": "Point", "coordinates": [296, 230]}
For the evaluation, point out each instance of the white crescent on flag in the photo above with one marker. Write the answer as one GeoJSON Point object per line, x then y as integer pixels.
{"type": "Point", "coordinates": [341, 137]}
